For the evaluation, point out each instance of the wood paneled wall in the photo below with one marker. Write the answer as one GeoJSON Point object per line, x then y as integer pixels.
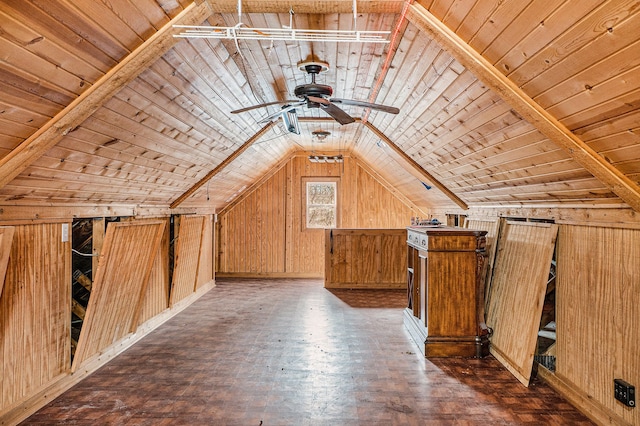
{"type": "Point", "coordinates": [251, 234]}
{"type": "Point", "coordinates": [35, 312]}
{"type": "Point", "coordinates": [120, 283]}
{"type": "Point", "coordinates": [35, 308]}
{"type": "Point", "coordinates": [366, 258]}
{"type": "Point", "coordinates": [598, 315]}
{"type": "Point", "coordinates": [597, 306]}
{"type": "Point", "coordinates": [263, 233]}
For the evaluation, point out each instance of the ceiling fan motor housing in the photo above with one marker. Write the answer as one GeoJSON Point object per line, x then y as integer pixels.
{"type": "Point", "coordinates": [317, 90]}
{"type": "Point", "coordinates": [313, 89]}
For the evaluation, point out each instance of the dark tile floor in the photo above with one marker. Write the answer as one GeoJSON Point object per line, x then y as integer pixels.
{"type": "Point", "coordinates": [289, 352]}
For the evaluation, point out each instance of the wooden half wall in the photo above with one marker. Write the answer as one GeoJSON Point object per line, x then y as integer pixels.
{"type": "Point", "coordinates": [264, 234]}
{"type": "Point", "coordinates": [366, 258]}
{"type": "Point", "coordinates": [35, 304]}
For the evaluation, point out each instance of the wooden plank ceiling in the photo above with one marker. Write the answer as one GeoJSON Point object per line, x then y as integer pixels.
{"type": "Point", "coordinates": [100, 105]}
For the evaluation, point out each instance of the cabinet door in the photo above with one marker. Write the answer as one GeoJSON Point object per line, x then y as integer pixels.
{"type": "Point", "coordinates": [451, 281]}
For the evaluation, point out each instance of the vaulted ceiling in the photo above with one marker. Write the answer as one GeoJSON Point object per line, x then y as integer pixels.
{"type": "Point", "coordinates": [528, 102]}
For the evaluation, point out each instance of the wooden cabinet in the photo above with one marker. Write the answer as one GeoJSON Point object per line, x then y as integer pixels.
{"type": "Point", "coordinates": [445, 291]}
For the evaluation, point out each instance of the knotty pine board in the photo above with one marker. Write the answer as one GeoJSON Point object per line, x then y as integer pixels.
{"type": "Point", "coordinates": [517, 293]}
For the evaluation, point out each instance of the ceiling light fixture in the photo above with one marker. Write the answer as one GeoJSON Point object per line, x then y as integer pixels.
{"type": "Point", "coordinates": [320, 135]}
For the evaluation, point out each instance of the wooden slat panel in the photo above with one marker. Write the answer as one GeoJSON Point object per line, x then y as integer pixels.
{"type": "Point", "coordinates": [598, 313]}
{"type": "Point", "coordinates": [35, 312]}
{"type": "Point", "coordinates": [6, 239]}
{"type": "Point", "coordinates": [186, 258]}
{"type": "Point", "coordinates": [121, 281]}
{"type": "Point", "coordinates": [517, 293]}
{"type": "Point", "coordinates": [206, 262]}
{"type": "Point", "coordinates": [365, 258]}
{"type": "Point", "coordinates": [376, 205]}
{"type": "Point", "coordinates": [156, 298]}
{"type": "Point", "coordinates": [492, 226]}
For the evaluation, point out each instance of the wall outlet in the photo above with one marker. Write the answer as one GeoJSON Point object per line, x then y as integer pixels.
{"type": "Point", "coordinates": [65, 232]}
{"type": "Point", "coordinates": [624, 392]}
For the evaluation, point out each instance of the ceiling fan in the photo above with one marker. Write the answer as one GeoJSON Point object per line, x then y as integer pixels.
{"type": "Point", "coordinates": [315, 95]}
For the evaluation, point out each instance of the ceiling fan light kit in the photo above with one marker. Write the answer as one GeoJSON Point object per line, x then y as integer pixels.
{"type": "Point", "coordinates": [320, 135]}
{"type": "Point", "coordinates": [290, 120]}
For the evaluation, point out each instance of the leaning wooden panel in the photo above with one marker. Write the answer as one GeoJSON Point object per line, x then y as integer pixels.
{"type": "Point", "coordinates": [492, 226]}
{"type": "Point", "coordinates": [205, 264]}
{"type": "Point", "coordinates": [35, 312]}
{"type": "Point", "coordinates": [121, 279]}
{"type": "Point", "coordinates": [598, 313]}
{"type": "Point", "coordinates": [517, 293]}
{"type": "Point", "coordinates": [6, 238]}
{"type": "Point", "coordinates": [187, 256]}
{"type": "Point", "coordinates": [156, 298]}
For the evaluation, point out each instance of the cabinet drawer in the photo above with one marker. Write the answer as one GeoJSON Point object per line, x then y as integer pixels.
{"type": "Point", "coordinates": [417, 239]}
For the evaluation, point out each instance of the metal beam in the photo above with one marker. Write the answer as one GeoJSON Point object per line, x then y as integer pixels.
{"type": "Point", "coordinates": [524, 105]}
{"type": "Point", "coordinates": [100, 92]}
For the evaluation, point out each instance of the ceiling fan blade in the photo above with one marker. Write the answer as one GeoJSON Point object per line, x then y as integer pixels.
{"type": "Point", "coordinates": [262, 105]}
{"type": "Point", "coordinates": [339, 115]}
{"type": "Point", "coordinates": [385, 108]}
{"type": "Point", "coordinates": [284, 110]}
